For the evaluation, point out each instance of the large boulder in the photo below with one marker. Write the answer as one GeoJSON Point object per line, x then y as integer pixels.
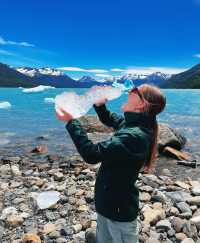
{"type": "Point", "coordinates": [170, 137]}
{"type": "Point", "coordinates": [167, 136]}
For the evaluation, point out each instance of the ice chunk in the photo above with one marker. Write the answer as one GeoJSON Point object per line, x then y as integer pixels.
{"type": "Point", "coordinates": [76, 105]}
{"type": "Point", "coordinates": [5, 105]}
{"type": "Point", "coordinates": [49, 100]}
{"type": "Point", "coordinates": [47, 199]}
{"type": "Point", "coordinates": [39, 88]}
{"type": "Point", "coordinates": [79, 105]}
{"type": "Point", "coordinates": [97, 93]}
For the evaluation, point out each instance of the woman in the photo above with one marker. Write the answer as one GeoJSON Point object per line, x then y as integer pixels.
{"type": "Point", "coordinates": [132, 147]}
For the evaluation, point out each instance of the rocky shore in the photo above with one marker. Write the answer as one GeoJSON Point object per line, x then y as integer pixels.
{"type": "Point", "coordinates": [170, 206]}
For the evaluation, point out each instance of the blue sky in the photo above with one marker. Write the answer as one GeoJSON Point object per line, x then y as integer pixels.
{"type": "Point", "coordinates": [101, 38]}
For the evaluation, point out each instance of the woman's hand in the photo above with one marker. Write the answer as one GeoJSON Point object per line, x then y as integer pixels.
{"type": "Point", "coordinates": [63, 115]}
{"type": "Point", "coordinates": [101, 102]}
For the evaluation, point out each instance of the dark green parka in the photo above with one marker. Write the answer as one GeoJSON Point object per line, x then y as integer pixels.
{"type": "Point", "coordinates": [121, 157]}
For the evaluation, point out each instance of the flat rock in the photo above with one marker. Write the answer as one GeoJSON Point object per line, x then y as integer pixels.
{"type": "Point", "coordinates": [188, 240]}
{"type": "Point", "coordinates": [164, 225]}
{"type": "Point", "coordinates": [194, 200]}
{"type": "Point", "coordinates": [178, 196]}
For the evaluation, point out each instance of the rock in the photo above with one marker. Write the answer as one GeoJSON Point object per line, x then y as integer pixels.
{"type": "Point", "coordinates": [163, 225]}
{"type": "Point", "coordinates": [7, 212]}
{"type": "Point", "coordinates": [31, 238]}
{"type": "Point", "coordinates": [169, 137]}
{"type": "Point", "coordinates": [190, 230]}
{"type": "Point", "coordinates": [166, 172]}
{"type": "Point", "coordinates": [180, 237]}
{"type": "Point", "coordinates": [2, 229]}
{"type": "Point", "coordinates": [77, 228]}
{"type": "Point", "coordinates": [178, 196]}
{"type": "Point", "coordinates": [58, 176]}
{"type": "Point", "coordinates": [188, 240]}
{"type": "Point", "coordinates": [14, 220]}
{"type": "Point", "coordinates": [196, 221]}
{"type": "Point", "coordinates": [92, 124]}
{"type": "Point", "coordinates": [194, 200]}
{"type": "Point", "coordinates": [158, 196]}
{"type": "Point", "coordinates": [15, 170]}
{"type": "Point", "coordinates": [152, 240]}
{"type": "Point", "coordinates": [41, 149]}
{"type": "Point", "coordinates": [177, 224]}
{"type": "Point", "coordinates": [182, 185]}
{"type": "Point", "coordinates": [48, 228]}
{"type": "Point", "coordinates": [173, 211]}
{"type": "Point", "coordinates": [152, 216]}
{"type": "Point", "coordinates": [61, 240]}
{"type": "Point", "coordinates": [196, 191]}
{"type": "Point", "coordinates": [146, 188]}
{"type": "Point", "coordinates": [144, 197]}
{"type": "Point", "coordinates": [184, 207]}
{"type": "Point", "coordinates": [54, 235]}
{"type": "Point", "coordinates": [90, 235]}
{"type": "Point", "coordinates": [82, 208]}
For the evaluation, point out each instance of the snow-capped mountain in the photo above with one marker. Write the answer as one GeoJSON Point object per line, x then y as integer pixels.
{"type": "Point", "coordinates": [32, 72]}
{"type": "Point", "coordinates": [57, 78]}
{"type": "Point", "coordinates": [156, 78]}
{"type": "Point", "coordinates": [86, 79]}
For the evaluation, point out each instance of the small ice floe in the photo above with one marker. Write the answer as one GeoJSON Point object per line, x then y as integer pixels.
{"type": "Point", "coordinates": [39, 88]}
{"type": "Point", "coordinates": [49, 100]}
{"type": "Point", "coordinates": [47, 199]}
{"type": "Point", "coordinates": [5, 105]}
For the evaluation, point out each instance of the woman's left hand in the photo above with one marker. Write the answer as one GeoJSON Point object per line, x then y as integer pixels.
{"type": "Point", "coordinates": [63, 115]}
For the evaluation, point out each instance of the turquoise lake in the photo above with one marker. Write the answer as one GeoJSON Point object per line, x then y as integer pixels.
{"type": "Point", "coordinates": [30, 116]}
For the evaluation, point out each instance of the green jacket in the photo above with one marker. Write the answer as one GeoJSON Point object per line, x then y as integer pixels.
{"type": "Point", "coordinates": [121, 157]}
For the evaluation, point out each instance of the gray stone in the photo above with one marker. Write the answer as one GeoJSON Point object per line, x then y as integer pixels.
{"type": "Point", "coordinates": [184, 207]}
{"type": "Point", "coordinates": [178, 196]}
{"type": "Point", "coordinates": [163, 225]}
{"type": "Point", "coordinates": [90, 235]}
{"type": "Point", "coordinates": [188, 240]}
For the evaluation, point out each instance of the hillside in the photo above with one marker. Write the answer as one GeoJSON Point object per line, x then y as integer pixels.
{"type": "Point", "coordinates": [9, 77]}
{"type": "Point", "coordinates": [189, 79]}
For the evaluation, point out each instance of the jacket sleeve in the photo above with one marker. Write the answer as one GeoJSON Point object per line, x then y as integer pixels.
{"type": "Point", "coordinates": [99, 152]}
{"type": "Point", "coordinates": [108, 118]}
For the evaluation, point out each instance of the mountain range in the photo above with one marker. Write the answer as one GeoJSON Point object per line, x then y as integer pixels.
{"type": "Point", "coordinates": [31, 77]}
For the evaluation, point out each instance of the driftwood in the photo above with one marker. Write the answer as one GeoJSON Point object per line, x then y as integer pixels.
{"type": "Point", "coordinates": [180, 155]}
{"type": "Point", "coordinates": [192, 164]}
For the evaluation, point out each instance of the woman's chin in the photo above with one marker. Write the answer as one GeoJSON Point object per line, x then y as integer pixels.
{"type": "Point", "coordinates": [123, 108]}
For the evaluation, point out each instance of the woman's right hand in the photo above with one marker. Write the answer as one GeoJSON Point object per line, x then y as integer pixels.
{"type": "Point", "coordinates": [101, 102]}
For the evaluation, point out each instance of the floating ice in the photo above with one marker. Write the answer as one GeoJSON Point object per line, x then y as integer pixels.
{"type": "Point", "coordinates": [5, 105]}
{"type": "Point", "coordinates": [79, 105]}
{"type": "Point", "coordinates": [39, 88]}
{"type": "Point", "coordinates": [47, 199]}
{"type": "Point", "coordinates": [49, 100]}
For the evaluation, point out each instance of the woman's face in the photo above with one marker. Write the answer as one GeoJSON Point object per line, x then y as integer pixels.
{"type": "Point", "coordinates": [134, 103]}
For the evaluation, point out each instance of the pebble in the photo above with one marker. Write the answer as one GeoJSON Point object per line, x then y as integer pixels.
{"type": "Point", "coordinates": [169, 208]}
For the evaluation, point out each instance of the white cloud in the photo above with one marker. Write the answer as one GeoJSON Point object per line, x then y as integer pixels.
{"type": "Point", "coordinates": [117, 70]}
{"type": "Point", "coordinates": [150, 70]}
{"type": "Point", "coordinates": [103, 75]}
{"type": "Point", "coordinates": [6, 53]}
{"type": "Point", "coordinates": [197, 55]}
{"type": "Point", "coordinates": [7, 42]}
{"type": "Point", "coordinates": [78, 69]}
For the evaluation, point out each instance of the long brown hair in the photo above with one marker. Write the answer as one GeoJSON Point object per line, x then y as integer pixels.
{"type": "Point", "coordinates": [155, 102]}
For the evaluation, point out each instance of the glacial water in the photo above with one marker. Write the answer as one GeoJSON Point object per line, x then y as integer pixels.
{"type": "Point", "coordinates": [27, 116]}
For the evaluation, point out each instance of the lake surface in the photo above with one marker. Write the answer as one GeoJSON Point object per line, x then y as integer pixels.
{"type": "Point", "coordinates": [30, 117]}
